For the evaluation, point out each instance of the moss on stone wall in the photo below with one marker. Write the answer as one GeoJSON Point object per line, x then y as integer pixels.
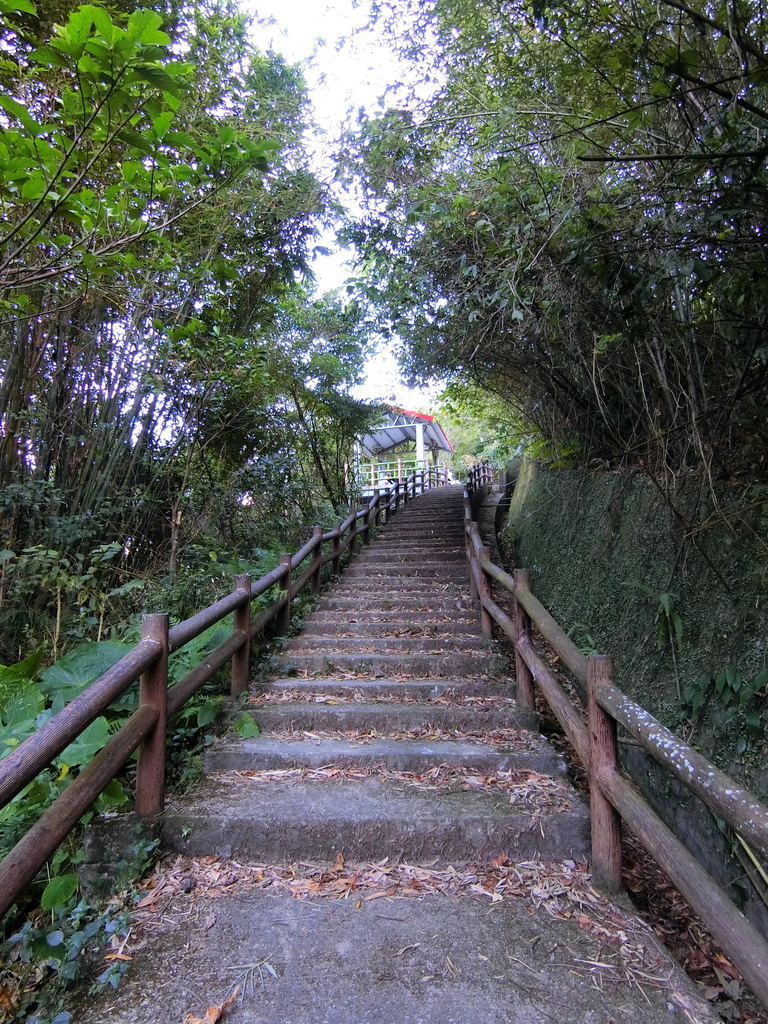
{"type": "Point", "coordinates": [603, 549]}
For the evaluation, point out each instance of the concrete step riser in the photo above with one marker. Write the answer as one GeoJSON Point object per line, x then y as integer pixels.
{"type": "Point", "coordinates": [385, 718]}
{"type": "Point", "coordinates": [432, 666]}
{"type": "Point", "coordinates": [400, 585]}
{"type": "Point", "coordinates": [405, 570]}
{"type": "Point", "coordinates": [413, 556]}
{"type": "Point", "coordinates": [384, 605]}
{"type": "Point", "coordinates": [427, 620]}
{"type": "Point", "coordinates": [261, 755]}
{"type": "Point", "coordinates": [422, 689]}
{"type": "Point", "coordinates": [337, 627]}
{"type": "Point", "coordinates": [434, 841]}
{"type": "Point", "coordinates": [386, 645]}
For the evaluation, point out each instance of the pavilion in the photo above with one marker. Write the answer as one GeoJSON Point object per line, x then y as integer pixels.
{"type": "Point", "coordinates": [404, 441]}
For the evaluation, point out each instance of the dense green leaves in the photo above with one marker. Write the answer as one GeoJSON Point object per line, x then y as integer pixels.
{"type": "Point", "coordinates": [573, 218]}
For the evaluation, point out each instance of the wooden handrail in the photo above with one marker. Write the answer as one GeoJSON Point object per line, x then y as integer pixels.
{"type": "Point", "coordinates": [612, 794]}
{"type": "Point", "coordinates": [24, 763]}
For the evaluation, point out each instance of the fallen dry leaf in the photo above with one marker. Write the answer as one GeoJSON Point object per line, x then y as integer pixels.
{"type": "Point", "coordinates": [213, 1013]}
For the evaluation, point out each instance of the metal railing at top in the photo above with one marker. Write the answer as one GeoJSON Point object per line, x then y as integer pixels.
{"type": "Point", "coordinates": [148, 660]}
{"type": "Point", "coordinates": [613, 797]}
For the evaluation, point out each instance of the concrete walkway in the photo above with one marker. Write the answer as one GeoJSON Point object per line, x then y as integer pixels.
{"type": "Point", "coordinates": [399, 844]}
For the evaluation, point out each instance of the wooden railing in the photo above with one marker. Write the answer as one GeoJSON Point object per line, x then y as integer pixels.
{"type": "Point", "coordinates": [148, 660]}
{"type": "Point", "coordinates": [613, 796]}
{"type": "Point", "coordinates": [481, 476]}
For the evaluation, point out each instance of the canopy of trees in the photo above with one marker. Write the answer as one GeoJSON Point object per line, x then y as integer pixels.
{"type": "Point", "coordinates": [159, 357]}
{"type": "Point", "coordinates": [575, 219]}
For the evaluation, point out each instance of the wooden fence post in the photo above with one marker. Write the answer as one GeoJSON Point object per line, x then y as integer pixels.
{"type": "Point", "coordinates": [367, 526]}
{"type": "Point", "coordinates": [153, 690]}
{"type": "Point", "coordinates": [284, 618]}
{"type": "Point", "coordinates": [525, 694]}
{"type": "Point", "coordinates": [353, 538]}
{"type": "Point", "coordinates": [482, 584]}
{"type": "Point", "coordinates": [336, 549]}
{"type": "Point", "coordinates": [242, 624]}
{"type": "Point", "coordinates": [377, 515]}
{"type": "Point", "coordinates": [314, 587]}
{"type": "Point", "coordinates": [603, 758]}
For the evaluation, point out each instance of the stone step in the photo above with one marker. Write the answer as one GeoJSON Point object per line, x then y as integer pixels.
{"type": "Point", "coordinates": [389, 717]}
{"type": "Point", "coordinates": [371, 689]}
{"type": "Point", "coordinates": [368, 819]}
{"type": "Point", "coordinates": [437, 666]}
{"type": "Point", "coordinates": [384, 572]}
{"type": "Point", "coordinates": [272, 753]}
{"type": "Point", "coordinates": [340, 626]}
{"type": "Point", "coordinates": [368, 645]}
{"type": "Point", "coordinates": [376, 555]}
{"type": "Point", "coordinates": [440, 958]}
{"type": "Point", "coordinates": [427, 603]}
{"type": "Point", "coordinates": [440, 620]}
{"type": "Point", "coordinates": [421, 585]}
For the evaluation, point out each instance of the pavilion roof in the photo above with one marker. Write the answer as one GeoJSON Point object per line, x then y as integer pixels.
{"type": "Point", "coordinates": [399, 428]}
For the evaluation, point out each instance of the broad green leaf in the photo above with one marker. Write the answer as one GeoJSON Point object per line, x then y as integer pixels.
{"type": "Point", "coordinates": [162, 123]}
{"type": "Point", "coordinates": [144, 27]}
{"type": "Point", "coordinates": [89, 742]}
{"type": "Point", "coordinates": [25, 669]}
{"type": "Point", "coordinates": [76, 670]}
{"type": "Point", "coordinates": [20, 112]}
{"type": "Point", "coordinates": [113, 795]}
{"type": "Point", "coordinates": [246, 726]}
{"type": "Point", "coordinates": [17, 7]}
{"type": "Point", "coordinates": [48, 57]}
{"type": "Point", "coordinates": [58, 891]}
{"type": "Point", "coordinates": [21, 706]}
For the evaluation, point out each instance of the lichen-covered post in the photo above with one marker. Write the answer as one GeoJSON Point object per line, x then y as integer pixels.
{"type": "Point", "coordinates": [603, 758]}
{"type": "Point", "coordinates": [522, 621]}
{"type": "Point", "coordinates": [241, 624]}
{"type": "Point", "coordinates": [153, 690]}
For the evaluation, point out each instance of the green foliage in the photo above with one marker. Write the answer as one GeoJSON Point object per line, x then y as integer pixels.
{"type": "Point", "coordinates": [70, 675]}
{"type": "Point", "coordinates": [246, 726]}
{"type": "Point", "coordinates": [573, 220]}
{"type": "Point", "coordinates": [737, 700]}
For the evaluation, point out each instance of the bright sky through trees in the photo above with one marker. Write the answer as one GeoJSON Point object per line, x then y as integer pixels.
{"type": "Point", "coordinates": [346, 68]}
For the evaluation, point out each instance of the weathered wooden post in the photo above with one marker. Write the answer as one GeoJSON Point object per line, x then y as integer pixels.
{"type": "Point", "coordinates": [481, 581]}
{"type": "Point", "coordinates": [317, 556]}
{"type": "Point", "coordinates": [377, 517]}
{"type": "Point", "coordinates": [153, 690]}
{"type": "Point", "coordinates": [353, 537]}
{"type": "Point", "coordinates": [522, 621]}
{"type": "Point", "coordinates": [603, 757]}
{"type": "Point", "coordinates": [284, 618]}
{"type": "Point", "coordinates": [241, 624]}
{"type": "Point", "coordinates": [336, 549]}
{"type": "Point", "coordinates": [366, 531]}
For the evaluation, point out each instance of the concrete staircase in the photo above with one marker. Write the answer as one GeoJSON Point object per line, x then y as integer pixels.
{"type": "Point", "coordinates": [398, 846]}
{"type": "Point", "coordinates": [390, 680]}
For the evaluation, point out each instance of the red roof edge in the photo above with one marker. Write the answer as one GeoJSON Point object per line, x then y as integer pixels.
{"type": "Point", "coordinates": [418, 415]}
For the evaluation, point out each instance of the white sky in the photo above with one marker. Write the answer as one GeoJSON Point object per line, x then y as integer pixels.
{"type": "Point", "coordinates": [344, 72]}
